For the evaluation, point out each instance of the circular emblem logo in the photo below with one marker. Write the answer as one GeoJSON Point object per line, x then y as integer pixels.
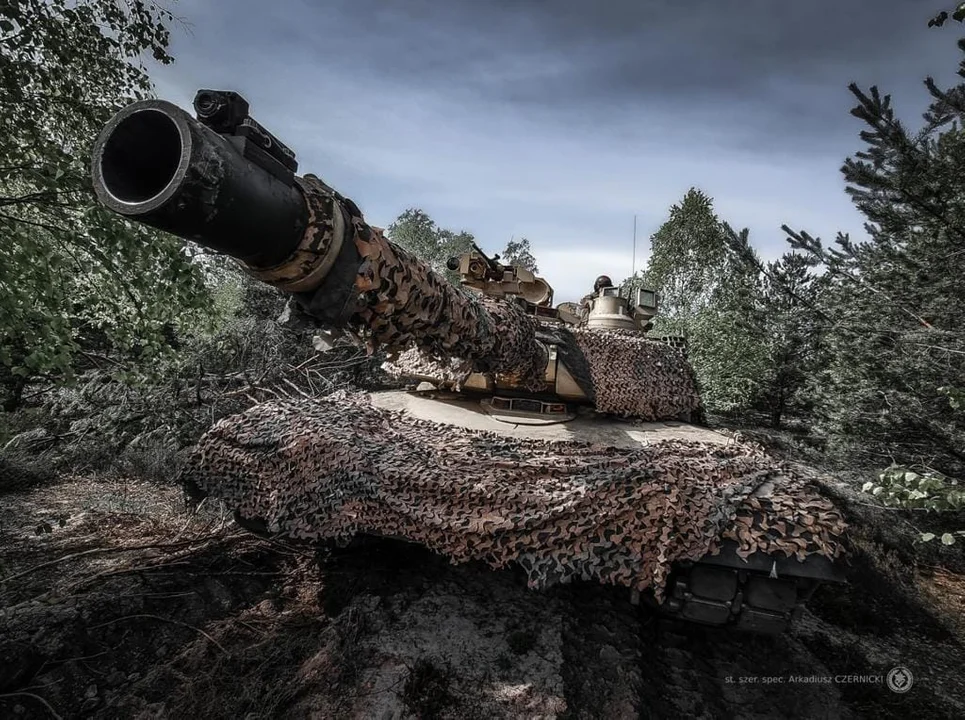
{"type": "Point", "coordinates": [899, 679]}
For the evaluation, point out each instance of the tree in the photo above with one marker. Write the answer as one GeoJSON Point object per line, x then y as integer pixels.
{"type": "Point", "coordinates": [707, 294]}
{"type": "Point", "coordinates": [519, 253]}
{"type": "Point", "coordinates": [958, 14]}
{"type": "Point", "coordinates": [894, 345]}
{"type": "Point", "coordinates": [416, 232]}
{"type": "Point", "coordinates": [71, 271]}
{"type": "Point", "coordinates": [785, 315]}
{"type": "Point", "coordinates": [686, 256]}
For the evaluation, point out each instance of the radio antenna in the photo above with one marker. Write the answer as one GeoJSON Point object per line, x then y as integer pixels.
{"type": "Point", "coordinates": [633, 267]}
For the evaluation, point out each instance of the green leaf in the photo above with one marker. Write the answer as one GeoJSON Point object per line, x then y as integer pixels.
{"type": "Point", "coordinates": [948, 539]}
{"type": "Point", "coordinates": [69, 268]}
{"type": "Point", "coordinates": [927, 537]}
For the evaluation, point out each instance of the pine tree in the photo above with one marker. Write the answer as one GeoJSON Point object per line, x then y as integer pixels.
{"type": "Point", "coordinates": [784, 313]}
{"type": "Point", "coordinates": [894, 346]}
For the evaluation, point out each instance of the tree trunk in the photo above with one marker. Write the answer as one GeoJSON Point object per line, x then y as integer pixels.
{"type": "Point", "coordinates": [777, 409]}
{"type": "Point", "coordinates": [13, 387]}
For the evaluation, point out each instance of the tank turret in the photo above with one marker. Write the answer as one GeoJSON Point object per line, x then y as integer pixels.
{"type": "Point", "coordinates": [225, 182]}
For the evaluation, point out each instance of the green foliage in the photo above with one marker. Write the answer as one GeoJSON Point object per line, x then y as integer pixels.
{"type": "Point", "coordinates": [893, 342]}
{"type": "Point", "coordinates": [416, 232]}
{"type": "Point", "coordinates": [958, 14]}
{"type": "Point", "coordinates": [871, 345]}
{"type": "Point", "coordinates": [782, 313]}
{"type": "Point", "coordinates": [956, 396]}
{"type": "Point", "coordinates": [707, 294]}
{"type": "Point", "coordinates": [893, 348]}
{"type": "Point", "coordinates": [139, 426]}
{"type": "Point", "coordinates": [519, 253]}
{"type": "Point", "coordinates": [753, 328]}
{"type": "Point", "coordinates": [899, 487]}
{"type": "Point", "coordinates": [74, 276]}
{"type": "Point", "coordinates": [687, 255]}
{"type": "Point", "coordinates": [792, 331]}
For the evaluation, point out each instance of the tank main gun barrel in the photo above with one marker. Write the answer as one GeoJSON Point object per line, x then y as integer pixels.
{"type": "Point", "coordinates": [155, 164]}
{"type": "Point", "coordinates": [225, 182]}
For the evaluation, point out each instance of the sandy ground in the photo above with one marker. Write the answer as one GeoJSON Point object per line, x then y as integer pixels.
{"type": "Point", "coordinates": [114, 602]}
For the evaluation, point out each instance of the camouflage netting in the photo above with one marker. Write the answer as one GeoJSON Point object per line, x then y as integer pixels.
{"type": "Point", "coordinates": [637, 377]}
{"type": "Point", "coordinates": [446, 333]}
{"type": "Point", "coordinates": [450, 374]}
{"type": "Point", "coordinates": [407, 304]}
{"type": "Point", "coordinates": [562, 510]}
{"type": "Point", "coordinates": [632, 376]}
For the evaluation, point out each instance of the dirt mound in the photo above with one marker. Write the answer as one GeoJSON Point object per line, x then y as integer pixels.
{"type": "Point", "coordinates": [116, 603]}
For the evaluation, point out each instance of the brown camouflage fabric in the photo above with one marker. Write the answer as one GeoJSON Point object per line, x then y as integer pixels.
{"type": "Point", "coordinates": [332, 468]}
{"type": "Point", "coordinates": [449, 374]}
{"type": "Point", "coordinates": [632, 376]}
{"type": "Point", "coordinates": [407, 304]}
{"type": "Point", "coordinates": [636, 377]}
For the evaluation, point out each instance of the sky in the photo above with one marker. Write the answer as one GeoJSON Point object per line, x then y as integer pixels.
{"type": "Point", "coordinates": [560, 121]}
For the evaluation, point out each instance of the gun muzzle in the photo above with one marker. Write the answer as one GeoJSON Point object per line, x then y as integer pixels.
{"type": "Point", "coordinates": [155, 164]}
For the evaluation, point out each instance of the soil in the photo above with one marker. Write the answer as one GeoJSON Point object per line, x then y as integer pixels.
{"type": "Point", "coordinates": [117, 602]}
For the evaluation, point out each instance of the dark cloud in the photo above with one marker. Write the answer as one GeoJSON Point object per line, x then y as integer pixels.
{"type": "Point", "coordinates": [561, 119]}
{"type": "Point", "coordinates": [756, 65]}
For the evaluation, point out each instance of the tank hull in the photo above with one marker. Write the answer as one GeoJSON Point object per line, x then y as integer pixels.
{"type": "Point", "coordinates": [759, 593]}
{"type": "Point", "coordinates": [688, 520]}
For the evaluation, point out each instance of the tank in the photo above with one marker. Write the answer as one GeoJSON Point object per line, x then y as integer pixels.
{"type": "Point", "coordinates": [564, 440]}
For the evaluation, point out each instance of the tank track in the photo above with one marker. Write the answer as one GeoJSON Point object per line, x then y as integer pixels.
{"type": "Point", "coordinates": [762, 594]}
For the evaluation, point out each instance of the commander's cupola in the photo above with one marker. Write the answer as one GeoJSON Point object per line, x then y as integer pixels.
{"type": "Point", "coordinates": [609, 311]}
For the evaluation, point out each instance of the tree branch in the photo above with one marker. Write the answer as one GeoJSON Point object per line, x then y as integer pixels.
{"type": "Point", "coordinates": [162, 619]}
{"type": "Point", "coordinates": [39, 699]}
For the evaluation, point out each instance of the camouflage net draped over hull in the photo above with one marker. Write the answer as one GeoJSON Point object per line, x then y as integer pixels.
{"type": "Point", "coordinates": [637, 377]}
{"type": "Point", "coordinates": [562, 510]}
{"type": "Point", "coordinates": [409, 305]}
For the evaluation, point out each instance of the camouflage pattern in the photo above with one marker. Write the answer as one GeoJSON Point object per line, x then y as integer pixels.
{"type": "Point", "coordinates": [445, 332]}
{"type": "Point", "coordinates": [332, 468]}
{"type": "Point", "coordinates": [636, 377]}
{"type": "Point", "coordinates": [400, 301]}
{"type": "Point", "coordinates": [631, 375]}
{"type": "Point", "coordinates": [449, 373]}
{"type": "Point", "coordinates": [563, 510]}
{"type": "Point", "coordinates": [406, 303]}
{"type": "Point", "coordinates": [676, 341]}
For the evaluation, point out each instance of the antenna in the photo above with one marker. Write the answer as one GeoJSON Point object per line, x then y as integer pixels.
{"type": "Point", "coordinates": [633, 267]}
